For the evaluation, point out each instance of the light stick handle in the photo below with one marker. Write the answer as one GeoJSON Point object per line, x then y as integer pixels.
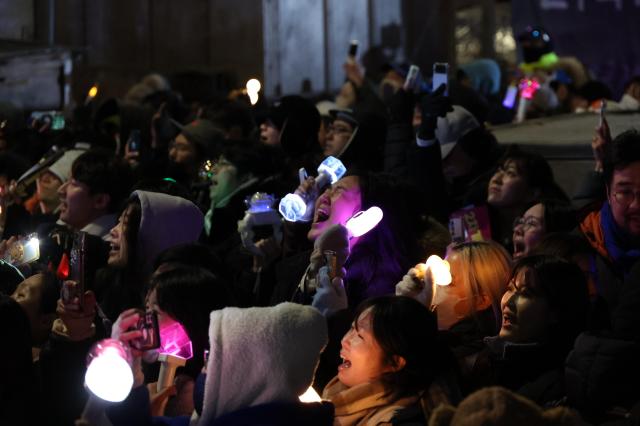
{"type": "Point", "coordinates": [93, 410]}
{"type": "Point", "coordinates": [168, 366]}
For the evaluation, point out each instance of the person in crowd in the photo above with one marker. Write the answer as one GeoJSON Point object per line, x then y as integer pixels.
{"type": "Point", "coordinates": [196, 142]}
{"type": "Point", "coordinates": [186, 295]}
{"type": "Point", "coordinates": [391, 372]}
{"type": "Point", "coordinates": [241, 170]}
{"type": "Point", "coordinates": [468, 309]}
{"type": "Point", "coordinates": [377, 259]}
{"type": "Point", "coordinates": [150, 222]}
{"type": "Point", "coordinates": [545, 307]}
{"type": "Point", "coordinates": [290, 338]}
{"type": "Point", "coordinates": [521, 178]}
{"type": "Point", "coordinates": [630, 100]}
{"type": "Point", "coordinates": [292, 126]}
{"type": "Point", "coordinates": [357, 139]}
{"type": "Point", "coordinates": [44, 205]}
{"type": "Point", "coordinates": [89, 200]}
{"type": "Point", "coordinates": [614, 229]}
{"type": "Point", "coordinates": [19, 398]}
{"type": "Point", "coordinates": [542, 218]}
{"type": "Point", "coordinates": [14, 219]}
{"type": "Point", "coordinates": [38, 296]}
{"type": "Point", "coordinates": [453, 156]}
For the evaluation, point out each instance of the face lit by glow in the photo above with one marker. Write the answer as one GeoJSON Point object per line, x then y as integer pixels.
{"type": "Point", "coordinates": [526, 315]}
{"type": "Point", "coordinates": [336, 205]}
{"type": "Point", "coordinates": [363, 358]}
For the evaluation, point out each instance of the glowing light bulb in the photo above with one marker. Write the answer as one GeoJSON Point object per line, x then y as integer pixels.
{"type": "Point", "coordinates": [364, 221]}
{"type": "Point", "coordinates": [109, 375]}
{"type": "Point", "coordinates": [253, 87]}
{"type": "Point", "coordinates": [293, 206]}
{"type": "Point", "coordinates": [310, 396]}
{"type": "Point", "coordinates": [440, 270]}
{"type": "Point", "coordinates": [93, 92]}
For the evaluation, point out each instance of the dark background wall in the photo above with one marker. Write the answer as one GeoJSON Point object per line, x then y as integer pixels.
{"type": "Point", "coordinates": [300, 45]}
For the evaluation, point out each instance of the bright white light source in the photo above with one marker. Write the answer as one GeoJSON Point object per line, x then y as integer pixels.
{"type": "Point", "coordinates": [310, 396]}
{"type": "Point", "coordinates": [364, 221]}
{"type": "Point", "coordinates": [293, 207]}
{"type": "Point", "coordinates": [109, 375]}
{"type": "Point", "coordinates": [253, 88]}
{"type": "Point", "coordinates": [440, 270]}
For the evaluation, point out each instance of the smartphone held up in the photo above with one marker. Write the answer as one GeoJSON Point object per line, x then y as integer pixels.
{"type": "Point", "coordinates": [441, 76]}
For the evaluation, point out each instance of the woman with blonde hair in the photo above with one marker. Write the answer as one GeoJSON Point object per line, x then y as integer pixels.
{"type": "Point", "coordinates": [468, 309]}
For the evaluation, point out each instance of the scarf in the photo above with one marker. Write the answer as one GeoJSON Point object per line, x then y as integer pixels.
{"type": "Point", "coordinates": [364, 404]}
{"type": "Point", "coordinates": [623, 249]}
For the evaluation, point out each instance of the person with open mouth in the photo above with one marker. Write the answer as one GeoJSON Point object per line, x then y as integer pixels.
{"type": "Point", "coordinates": [391, 359]}
{"type": "Point", "coordinates": [540, 219]}
{"type": "Point", "coordinates": [545, 308]}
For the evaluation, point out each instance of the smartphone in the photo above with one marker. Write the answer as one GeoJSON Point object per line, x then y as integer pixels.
{"type": "Point", "coordinates": [353, 48]}
{"type": "Point", "coordinates": [148, 324]}
{"type": "Point", "coordinates": [76, 269]}
{"type": "Point", "coordinates": [603, 110]}
{"type": "Point", "coordinates": [332, 262]}
{"type": "Point", "coordinates": [134, 141]}
{"type": "Point", "coordinates": [23, 251]}
{"type": "Point", "coordinates": [55, 119]}
{"type": "Point", "coordinates": [412, 78]}
{"type": "Point", "coordinates": [456, 229]}
{"type": "Point", "coordinates": [441, 76]}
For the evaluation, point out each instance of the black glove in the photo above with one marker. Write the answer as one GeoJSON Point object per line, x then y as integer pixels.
{"type": "Point", "coordinates": [401, 107]}
{"type": "Point", "coordinates": [433, 106]}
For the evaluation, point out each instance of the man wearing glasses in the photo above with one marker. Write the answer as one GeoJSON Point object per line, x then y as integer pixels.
{"type": "Point", "coordinates": [614, 230]}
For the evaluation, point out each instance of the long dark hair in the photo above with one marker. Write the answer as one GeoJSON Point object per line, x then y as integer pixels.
{"type": "Point", "coordinates": [403, 327]}
{"type": "Point", "coordinates": [382, 256]}
{"type": "Point", "coordinates": [188, 294]}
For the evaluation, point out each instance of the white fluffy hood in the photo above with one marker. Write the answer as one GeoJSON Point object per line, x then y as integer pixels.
{"type": "Point", "coordinates": [261, 355]}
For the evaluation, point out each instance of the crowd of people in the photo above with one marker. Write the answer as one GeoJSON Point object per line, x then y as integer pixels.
{"type": "Point", "coordinates": [149, 206]}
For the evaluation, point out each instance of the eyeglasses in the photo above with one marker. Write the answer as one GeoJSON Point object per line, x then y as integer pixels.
{"type": "Point", "coordinates": [626, 197]}
{"type": "Point", "coordinates": [527, 222]}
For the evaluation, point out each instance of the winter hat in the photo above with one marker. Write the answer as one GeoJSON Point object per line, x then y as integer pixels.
{"type": "Point", "coordinates": [166, 221]}
{"type": "Point", "coordinates": [62, 167]}
{"type": "Point", "coordinates": [202, 133]}
{"type": "Point", "coordinates": [454, 126]}
{"type": "Point", "coordinates": [498, 406]}
{"type": "Point", "coordinates": [261, 355]}
{"type": "Point", "coordinates": [345, 115]}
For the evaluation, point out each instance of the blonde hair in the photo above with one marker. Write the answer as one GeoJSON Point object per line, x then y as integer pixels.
{"type": "Point", "coordinates": [481, 269]}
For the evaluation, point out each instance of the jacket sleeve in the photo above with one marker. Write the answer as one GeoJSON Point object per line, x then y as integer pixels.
{"type": "Point", "coordinates": [602, 372]}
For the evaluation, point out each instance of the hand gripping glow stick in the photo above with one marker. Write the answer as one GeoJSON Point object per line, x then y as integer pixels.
{"type": "Point", "coordinates": [294, 206]}
{"type": "Point", "coordinates": [176, 349]}
{"type": "Point", "coordinates": [109, 377]}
